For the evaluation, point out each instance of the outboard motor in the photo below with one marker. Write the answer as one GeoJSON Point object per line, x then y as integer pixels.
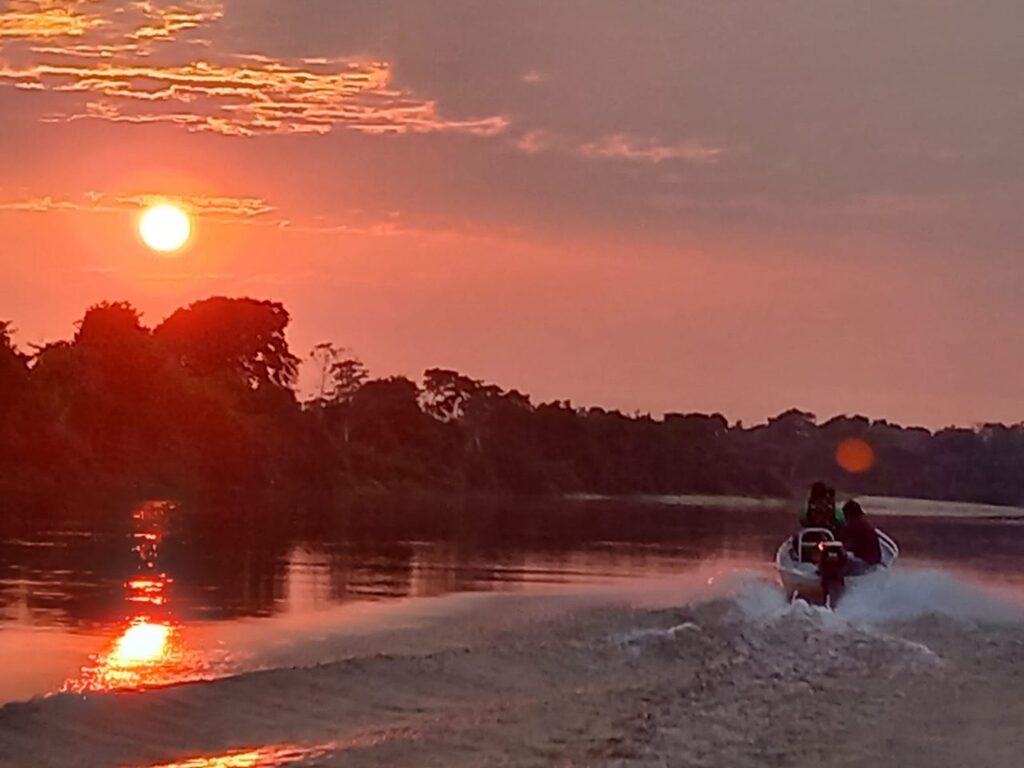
{"type": "Point", "coordinates": [832, 570]}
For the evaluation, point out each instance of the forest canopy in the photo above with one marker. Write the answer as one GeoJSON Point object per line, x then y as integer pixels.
{"type": "Point", "coordinates": [207, 401]}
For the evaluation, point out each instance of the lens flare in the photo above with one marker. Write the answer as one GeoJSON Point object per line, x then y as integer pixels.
{"type": "Point", "coordinates": [855, 455]}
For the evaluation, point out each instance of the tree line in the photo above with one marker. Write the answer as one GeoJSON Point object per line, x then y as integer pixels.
{"type": "Point", "coordinates": [207, 402]}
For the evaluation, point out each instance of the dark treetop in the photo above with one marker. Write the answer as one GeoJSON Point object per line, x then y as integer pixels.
{"type": "Point", "coordinates": [206, 402]}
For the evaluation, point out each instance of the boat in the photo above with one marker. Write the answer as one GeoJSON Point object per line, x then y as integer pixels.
{"type": "Point", "coordinates": [812, 565]}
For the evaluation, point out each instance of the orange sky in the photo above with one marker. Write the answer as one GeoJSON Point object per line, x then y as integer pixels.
{"type": "Point", "coordinates": [663, 206]}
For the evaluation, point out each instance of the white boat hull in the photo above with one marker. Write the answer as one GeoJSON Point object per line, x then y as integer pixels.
{"type": "Point", "coordinates": [801, 579]}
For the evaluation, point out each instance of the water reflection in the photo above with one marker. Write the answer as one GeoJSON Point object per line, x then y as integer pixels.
{"type": "Point", "coordinates": [182, 565]}
{"type": "Point", "coordinates": [143, 655]}
{"type": "Point", "coordinates": [260, 757]}
{"type": "Point", "coordinates": [142, 643]}
{"type": "Point", "coordinates": [275, 755]}
{"type": "Point", "coordinates": [163, 593]}
{"type": "Point", "coordinates": [147, 590]}
{"type": "Point", "coordinates": [148, 649]}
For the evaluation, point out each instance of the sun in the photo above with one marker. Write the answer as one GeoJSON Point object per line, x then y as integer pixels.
{"type": "Point", "coordinates": [165, 227]}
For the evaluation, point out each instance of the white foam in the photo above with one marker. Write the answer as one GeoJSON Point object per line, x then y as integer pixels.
{"type": "Point", "coordinates": [761, 600]}
{"type": "Point", "coordinates": [902, 594]}
{"type": "Point", "coordinates": [909, 594]}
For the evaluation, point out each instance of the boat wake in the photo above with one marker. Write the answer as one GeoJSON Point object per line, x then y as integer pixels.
{"type": "Point", "coordinates": [897, 595]}
{"type": "Point", "coordinates": [724, 675]}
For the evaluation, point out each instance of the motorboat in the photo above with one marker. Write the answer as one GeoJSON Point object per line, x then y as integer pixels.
{"type": "Point", "coordinates": [813, 566]}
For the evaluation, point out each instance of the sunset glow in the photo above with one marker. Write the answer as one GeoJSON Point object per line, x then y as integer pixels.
{"type": "Point", "coordinates": [708, 236]}
{"type": "Point", "coordinates": [338, 338]}
{"type": "Point", "coordinates": [165, 228]}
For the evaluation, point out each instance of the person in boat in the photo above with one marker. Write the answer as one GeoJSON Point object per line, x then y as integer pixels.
{"type": "Point", "coordinates": [821, 510]}
{"type": "Point", "coordinates": [863, 550]}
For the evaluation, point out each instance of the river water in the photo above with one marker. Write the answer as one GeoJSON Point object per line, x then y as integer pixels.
{"type": "Point", "coordinates": [162, 595]}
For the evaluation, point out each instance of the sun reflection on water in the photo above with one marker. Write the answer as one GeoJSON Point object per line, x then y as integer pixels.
{"type": "Point", "coordinates": [145, 654]}
{"type": "Point", "coordinates": [141, 643]}
{"type": "Point", "coordinates": [149, 590]}
{"type": "Point", "coordinates": [148, 648]}
{"type": "Point", "coordinates": [274, 755]}
{"type": "Point", "coordinates": [259, 757]}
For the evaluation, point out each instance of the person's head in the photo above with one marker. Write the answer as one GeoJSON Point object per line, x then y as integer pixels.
{"type": "Point", "coordinates": [853, 510]}
{"type": "Point", "coordinates": [819, 491]}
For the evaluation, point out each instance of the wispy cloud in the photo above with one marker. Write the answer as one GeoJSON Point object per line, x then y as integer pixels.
{"type": "Point", "coordinates": [100, 28]}
{"type": "Point", "coordinates": [26, 20]}
{"type": "Point", "coordinates": [387, 227]}
{"type": "Point", "coordinates": [534, 142]}
{"type": "Point", "coordinates": [89, 51]}
{"type": "Point", "coordinates": [103, 70]}
{"type": "Point", "coordinates": [167, 23]}
{"type": "Point", "coordinates": [235, 208]}
{"type": "Point", "coordinates": [238, 209]}
{"type": "Point", "coordinates": [620, 146]}
{"type": "Point", "coordinates": [223, 209]}
{"type": "Point", "coordinates": [246, 99]}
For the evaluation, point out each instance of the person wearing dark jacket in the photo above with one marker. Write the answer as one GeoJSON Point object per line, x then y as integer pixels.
{"type": "Point", "coordinates": [821, 510]}
{"type": "Point", "coordinates": [860, 539]}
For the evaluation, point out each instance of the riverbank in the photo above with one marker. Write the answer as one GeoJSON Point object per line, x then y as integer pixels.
{"type": "Point", "coordinates": [889, 506]}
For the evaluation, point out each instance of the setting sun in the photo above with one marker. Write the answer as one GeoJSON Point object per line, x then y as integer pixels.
{"type": "Point", "coordinates": [165, 227]}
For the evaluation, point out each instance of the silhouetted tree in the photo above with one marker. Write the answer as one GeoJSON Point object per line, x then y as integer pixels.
{"type": "Point", "coordinates": [242, 337]}
{"type": "Point", "coordinates": [13, 369]}
{"type": "Point", "coordinates": [14, 382]}
{"type": "Point", "coordinates": [446, 392]}
{"type": "Point", "coordinates": [341, 374]}
{"type": "Point", "coordinates": [206, 401]}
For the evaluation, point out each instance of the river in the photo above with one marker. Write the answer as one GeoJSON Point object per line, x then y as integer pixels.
{"type": "Point", "coordinates": [377, 633]}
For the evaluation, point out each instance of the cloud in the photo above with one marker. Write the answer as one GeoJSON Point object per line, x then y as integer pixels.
{"type": "Point", "coordinates": [106, 75]}
{"type": "Point", "coordinates": [167, 23]}
{"type": "Point", "coordinates": [619, 146]}
{"type": "Point", "coordinates": [225, 209]}
{"type": "Point", "coordinates": [246, 99]}
{"type": "Point", "coordinates": [232, 208]}
{"type": "Point", "coordinates": [43, 204]}
{"type": "Point", "coordinates": [43, 21]}
{"type": "Point", "coordinates": [91, 51]}
{"type": "Point", "coordinates": [111, 29]}
{"type": "Point", "coordinates": [534, 142]}
{"type": "Point", "coordinates": [237, 209]}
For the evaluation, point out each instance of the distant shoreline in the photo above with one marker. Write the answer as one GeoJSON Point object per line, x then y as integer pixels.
{"type": "Point", "coordinates": [897, 507]}
{"type": "Point", "coordinates": [688, 500]}
{"type": "Point", "coordinates": [890, 506]}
